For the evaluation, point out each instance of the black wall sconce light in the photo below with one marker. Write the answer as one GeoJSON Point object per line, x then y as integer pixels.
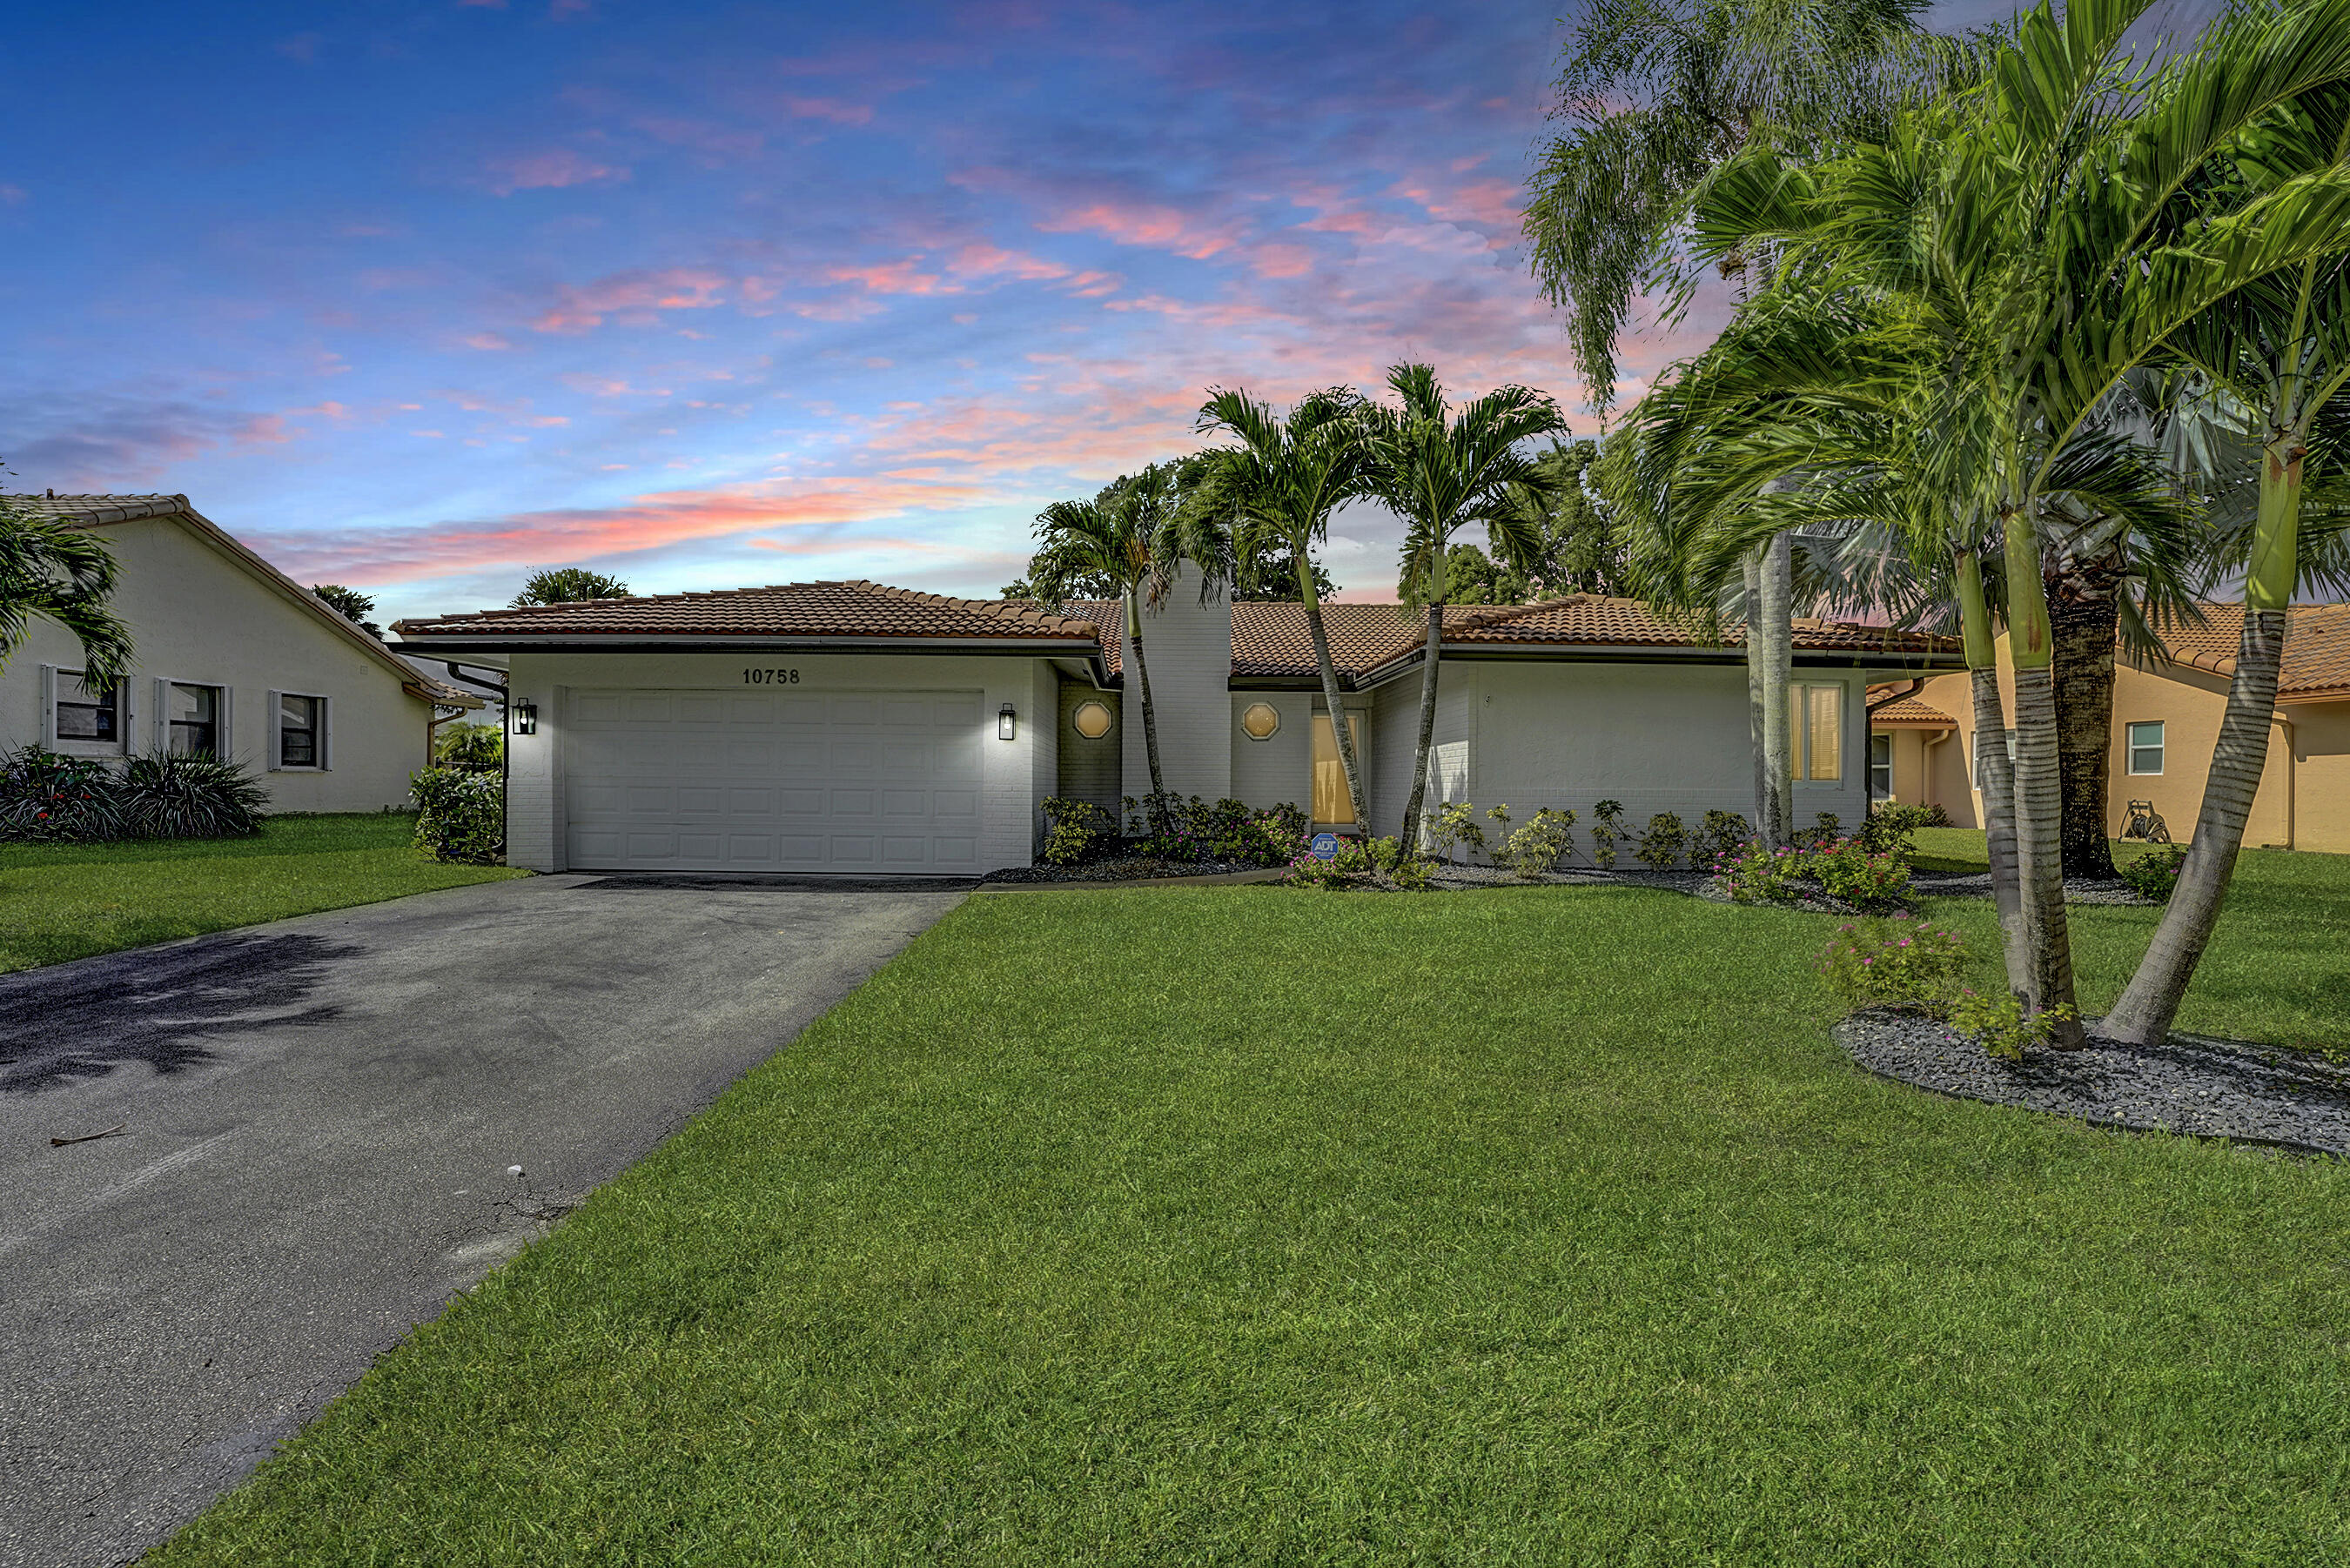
{"type": "Point", "coordinates": [1006, 722]}
{"type": "Point", "coordinates": [525, 718]}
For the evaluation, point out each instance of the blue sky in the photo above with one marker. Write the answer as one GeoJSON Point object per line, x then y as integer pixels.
{"type": "Point", "coordinates": [418, 297]}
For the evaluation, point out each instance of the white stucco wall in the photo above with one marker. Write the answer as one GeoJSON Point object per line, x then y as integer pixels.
{"type": "Point", "coordinates": [1017, 773]}
{"type": "Point", "coordinates": [199, 616]}
{"type": "Point", "coordinates": [1280, 769]}
{"type": "Point", "coordinates": [1188, 648]}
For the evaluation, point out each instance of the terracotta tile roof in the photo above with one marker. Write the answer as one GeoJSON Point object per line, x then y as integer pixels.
{"type": "Point", "coordinates": [1591, 619]}
{"type": "Point", "coordinates": [1273, 638]}
{"type": "Point", "coordinates": [98, 508]}
{"type": "Point", "coordinates": [102, 510]}
{"type": "Point", "coordinates": [858, 609]}
{"type": "Point", "coordinates": [1909, 710]}
{"type": "Point", "coordinates": [2317, 665]}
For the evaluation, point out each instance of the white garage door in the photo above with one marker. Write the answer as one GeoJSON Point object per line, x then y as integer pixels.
{"type": "Point", "coordinates": [812, 781]}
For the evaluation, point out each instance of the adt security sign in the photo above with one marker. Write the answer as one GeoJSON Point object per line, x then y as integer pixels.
{"type": "Point", "coordinates": [1325, 846]}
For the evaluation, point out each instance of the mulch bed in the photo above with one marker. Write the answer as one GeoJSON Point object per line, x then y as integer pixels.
{"type": "Point", "coordinates": [2193, 1085]}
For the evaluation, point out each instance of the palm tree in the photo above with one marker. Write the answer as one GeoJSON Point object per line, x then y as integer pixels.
{"type": "Point", "coordinates": [2280, 346]}
{"type": "Point", "coordinates": [60, 571]}
{"type": "Point", "coordinates": [1441, 472]}
{"type": "Point", "coordinates": [2043, 237]}
{"type": "Point", "coordinates": [1133, 536]}
{"type": "Point", "coordinates": [1279, 487]}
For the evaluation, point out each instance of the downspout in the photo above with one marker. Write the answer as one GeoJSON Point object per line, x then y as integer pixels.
{"type": "Point", "coordinates": [1926, 759]}
{"type": "Point", "coordinates": [2286, 724]}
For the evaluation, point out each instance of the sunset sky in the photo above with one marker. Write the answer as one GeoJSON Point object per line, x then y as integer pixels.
{"type": "Point", "coordinates": [418, 297]}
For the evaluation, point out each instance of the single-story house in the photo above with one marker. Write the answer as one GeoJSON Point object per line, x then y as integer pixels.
{"type": "Point", "coordinates": [2165, 719]}
{"type": "Point", "coordinates": [233, 659]}
{"type": "Point", "coordinates": [852, 727]}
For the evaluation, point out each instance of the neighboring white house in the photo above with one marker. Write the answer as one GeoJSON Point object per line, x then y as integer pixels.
{"type": "Point", "coordinates": [850, 727]}
{"type": "Point", "coordinates": [233, 657]}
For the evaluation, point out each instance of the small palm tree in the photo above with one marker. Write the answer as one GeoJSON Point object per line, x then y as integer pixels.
{"type": "Point", "coordinates": [1278, 488]}
{"type": "Point", "coordinates": [60, 572]}
{"type": "Point", "coordinates": [1133, 535]}
{"type": "Point", "coordinates": [1441, 472]}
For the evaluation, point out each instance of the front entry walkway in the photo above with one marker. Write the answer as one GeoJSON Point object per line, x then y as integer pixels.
{"type": "Point", "coordinates": [319, 1118]}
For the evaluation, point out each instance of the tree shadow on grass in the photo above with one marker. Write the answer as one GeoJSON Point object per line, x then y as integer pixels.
{"type": "Point", "coordinates": [162, 1007]}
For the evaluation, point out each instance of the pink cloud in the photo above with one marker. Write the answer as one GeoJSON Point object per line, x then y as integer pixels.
{"type": "Point", "coordinates": [650, 522]}
{"type": "Point", "coordinates": [10, 196]}
{"type": "Point", "coordinates": [549, 172]}
{"type": "Point", "coordinates": [487, 340]}
{"type": "Point", "coordinates": [980, 259]}
{"type": "Point", "coordinates": [892, 278]}
{"type": "Point", "coordinates": [302, 47]}
{"type": "Point", "coordinates": [633, 299]}
{"type": "Point", "coordinates": [833, 110]}
{"type": "Point", "coordinates": [1149, 226]}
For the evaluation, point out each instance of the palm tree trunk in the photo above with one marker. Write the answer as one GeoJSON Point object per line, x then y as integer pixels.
{"type": "Point", "coordinates": [1434, 648]}
{"type": "Point", "coordinates": [2084, 614]}
{"type": "Point", "coordinates": [1775, 630]}
{"type": "Point", "coordinates": [1994, 773]}
{"type": "Point", "coordinates": [1751, 568]}
{"type": "Point", "coordinates": [1426, 724]}
{"type": "Point", "coordinates": [1331, 697]}
{"type": "Point", "coordinates": [1159, 823]}
{"type": "Point", "coordinates": [2039, 785]}
{"type": "Point", "coordinates": [2148, 1006]}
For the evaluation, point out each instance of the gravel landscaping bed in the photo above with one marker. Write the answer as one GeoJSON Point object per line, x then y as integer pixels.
{"type": "Point", "coordinates": [2201, 1087]}
{"type": "Point", "coordinates": [1977, 884]}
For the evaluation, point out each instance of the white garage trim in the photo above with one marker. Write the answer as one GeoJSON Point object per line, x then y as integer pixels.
{"type": "Point", "coordinates": [803, 780]}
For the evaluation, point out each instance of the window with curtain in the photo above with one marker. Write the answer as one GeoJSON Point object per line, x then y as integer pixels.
{"type": "Point", "coordinates": [1330, 802]}
{"type": "Point", "coordinates": [299, 722]}
{"type": "Point", "coordinates": [192, 715]}
{"type": "Point", "coordinates": [83, 714]}
{"type": "Point", "coordinates": [1815, 733]}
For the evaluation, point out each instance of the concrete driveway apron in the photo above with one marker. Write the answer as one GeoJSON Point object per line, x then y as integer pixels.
{"type": "Point", "coordinates": [318, 1116]}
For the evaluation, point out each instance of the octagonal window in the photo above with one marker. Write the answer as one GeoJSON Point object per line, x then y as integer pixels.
{"type": "Point", "coordinates": [1091, 720]}
{"type": "Point", "coordinates": [1261, 721]}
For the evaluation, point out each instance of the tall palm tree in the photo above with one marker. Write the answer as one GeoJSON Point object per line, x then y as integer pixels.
{"type": "Point", "coordinates": [2279, 344]}
{"type": "Point", "coordinates": [60, 572]}
{"type": "Point", "coordinates": [1654, 95]}
{"type": "Point", "coordinates": [1133, 536]}
{"type": "Point", "coordinates": [1441, 472]}
{"type": "Point", "coordinates": [2043, 237]}
{"type": "Point", "coordinates": [1279, 487]}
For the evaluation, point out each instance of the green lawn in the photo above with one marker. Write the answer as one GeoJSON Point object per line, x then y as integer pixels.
{"type": "Point", "coordinates": [69, 902]}
{"type": "Point", "coordinates": [2278, 971]}
{"type": "Point", "coordinates": [1246, 1225]}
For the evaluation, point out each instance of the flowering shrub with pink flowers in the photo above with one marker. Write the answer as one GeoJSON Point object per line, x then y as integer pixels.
{"type": "Point", "coordinates": [1897, 962]}
{"type": "Point", "coordinates": [1840, 869]}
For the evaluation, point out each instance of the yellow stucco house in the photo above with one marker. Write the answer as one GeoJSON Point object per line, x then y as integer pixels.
{"type": "Point", "coordinates": [2166, 717]}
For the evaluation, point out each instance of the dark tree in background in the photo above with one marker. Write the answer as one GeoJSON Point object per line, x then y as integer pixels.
{"type": "Point", "coordinates": [354, 605]}
{"type": "Point", "coordinates": [569, 586]}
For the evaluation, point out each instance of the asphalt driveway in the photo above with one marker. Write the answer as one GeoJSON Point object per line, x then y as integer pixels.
{"type": "Point", "coordinates": [319, 1117]}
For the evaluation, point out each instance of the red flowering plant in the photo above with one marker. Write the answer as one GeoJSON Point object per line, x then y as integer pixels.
{"type": "Point", "coordinates": [1841, 870]}
{"type": "Point", "coordinates": [1898, 962]}
{"type": "Point", "coordinates": [48, 798]}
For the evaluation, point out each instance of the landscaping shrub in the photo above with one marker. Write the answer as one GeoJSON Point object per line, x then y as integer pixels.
{"type": "Point", "coordinates": [45, 798]}
{"type": "Point", "coordinates": [1889, 828]}
{"type": "Point", "coordinates": [1661, 845]}
{"type": "Point", "coordinates": [2155, 874]}
{"type": "Point", "coordinates": [1607, 830]}
{"type": "Point", "coordinates": [1719, 837]}
{"type": "Point", "coordinates": [1454, 826]}
{"type": "Point", "coordinates": [460, 815]}
{"type": "Point", "coordinates": [1898, 963]}
{"type": "Point", "coordinates": [1937, 815]}
{"type": "Point", "coordinates": [1538, 846]}
{"type": "Point", "coordinates": [1227, 831]}
{"type": "Point", "coordinates": [1846, 870]}
{"type": "Point", "coordinates": [1075, 830]}
{"type": "Point", "coordinates": [166, 797]}
{"type": "Point", "coordinates": [1379, 863]}
{"type": "Point", "coordinates": [1997, 1024]}
{"type": "Point", "coordinates": [473, 748]}
{"type": "Point", "coordinates": [1825, 829]}
{"type": "Point", "coordinates": [1842, 871]}
{"type": "Point", "coordinates": [1757, 874]}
